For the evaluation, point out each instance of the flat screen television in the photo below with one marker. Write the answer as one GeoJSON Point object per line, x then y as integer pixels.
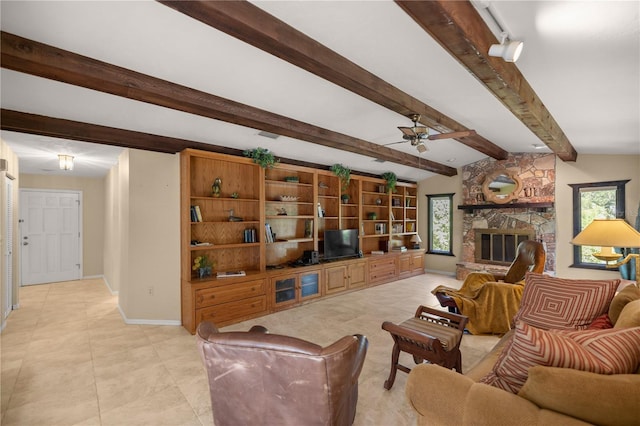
{"type": "Point", "coordinates": [341, 243]}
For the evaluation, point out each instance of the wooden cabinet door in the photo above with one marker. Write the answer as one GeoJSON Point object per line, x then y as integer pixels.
{"type": "Point", "coordinates": [404, 263]}
{"type": "Point", "coordinates": [284, 290]}
{"type": "Point", "coordinates": [335, 279]}
{"type": "Point", "coordinates": [310, 284]}
{"type": "Point", "coordinates": [357, 273]}
{"type": "Point", "coordinates": [417, 263]}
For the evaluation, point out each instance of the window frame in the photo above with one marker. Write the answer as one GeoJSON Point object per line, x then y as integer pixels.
{"type": "Point", "coordinates": [577, 210]}
{"type": "Point", "coordinates": [430, 250]}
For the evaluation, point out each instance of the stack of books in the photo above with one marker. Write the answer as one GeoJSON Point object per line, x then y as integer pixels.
{"type": "Point", "coordinates": [399, 248]}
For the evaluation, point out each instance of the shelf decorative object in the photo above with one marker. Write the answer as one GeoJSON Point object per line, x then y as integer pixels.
{"type": "Point", "coordinates": [343, 173]}
{"type": "Point", "coordinates": [344, 198]}
{"type": "Point", "coordinates": [262, 157]}
{"type": "Point", "coordinates": [216, 188]}
{"type": "Point", "coordinates": [391, 179]}
{"type": "Point", "coordinates": [203, 265]}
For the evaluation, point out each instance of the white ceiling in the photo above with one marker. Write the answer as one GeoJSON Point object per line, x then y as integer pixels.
{"type": "Point", "coordinates": [581, 57]}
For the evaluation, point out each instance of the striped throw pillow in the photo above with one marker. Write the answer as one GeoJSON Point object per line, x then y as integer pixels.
{"type": "Point", "coordinates": [560, 303]}
{"type": "Point", "coordinates": [610, 351]}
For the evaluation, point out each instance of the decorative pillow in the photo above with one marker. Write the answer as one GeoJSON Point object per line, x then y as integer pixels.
{"type": "Point", "coordinates": [601, 323]}
{"type": "Point", "coordinates": [630, 315]}
{"type": "Point", "coordinates": [612, 351]}
{"type": "Point", "coordinates": [560, 303]}
{"type": "Point", "coordinates": [626, 295]}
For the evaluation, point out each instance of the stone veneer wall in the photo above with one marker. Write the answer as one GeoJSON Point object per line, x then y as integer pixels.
{"type": "Point", "coordinates": [536, 171]}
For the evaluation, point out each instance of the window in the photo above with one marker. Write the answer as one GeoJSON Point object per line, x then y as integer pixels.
{"type": "Point", "coordinates": [440, 224]}
{"type": "Point", "coordinates": [601, 200]}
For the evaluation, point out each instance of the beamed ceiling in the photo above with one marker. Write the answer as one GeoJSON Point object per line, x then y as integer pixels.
{"type": "Point", "coordinates": [333, 79]}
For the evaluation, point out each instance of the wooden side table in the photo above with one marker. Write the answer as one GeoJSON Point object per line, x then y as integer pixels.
{"type": "Point", "coordinates": [432, 335]}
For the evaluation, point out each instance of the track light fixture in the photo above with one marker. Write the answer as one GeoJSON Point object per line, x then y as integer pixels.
{"type": "Point", "coordinates": [507, 49]}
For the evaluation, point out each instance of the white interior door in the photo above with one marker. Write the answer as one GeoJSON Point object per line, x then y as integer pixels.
{"type": "Point", "coordinates": [8, 249]}
{"type": "Point", "coordinates": [50, 236]}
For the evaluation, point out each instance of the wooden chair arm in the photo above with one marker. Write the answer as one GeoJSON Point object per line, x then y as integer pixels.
{"type": "Point", "coordinates": [450, 319]}
{"type": "Point", "coordinates": [416, 336]}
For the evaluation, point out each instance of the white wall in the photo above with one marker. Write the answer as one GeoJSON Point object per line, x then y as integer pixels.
{"type": "Point", "coordinates": [144, 262]}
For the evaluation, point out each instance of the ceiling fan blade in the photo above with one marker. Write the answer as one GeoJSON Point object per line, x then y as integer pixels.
{"type": "Point", "coordinates": [408, 131]}
{"type": "Point", "coordinates": [393, 143]}
{"type": "Point", "coordinates": [452, 135]}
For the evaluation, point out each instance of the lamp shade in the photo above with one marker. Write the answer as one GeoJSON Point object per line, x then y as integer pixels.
{"type": "Point", "coordinates": [608, 233]}
{"type": "Point", "coordinates": [416, 238]}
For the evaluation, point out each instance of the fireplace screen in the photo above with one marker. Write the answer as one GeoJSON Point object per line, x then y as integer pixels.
{"type": "Point", "coordinates": [498, 246]}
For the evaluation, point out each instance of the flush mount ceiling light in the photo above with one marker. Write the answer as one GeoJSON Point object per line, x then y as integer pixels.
{"type": "Point", "coordinates": [66, 161]}
{"type": "Point", "coordinates": [507, 49]}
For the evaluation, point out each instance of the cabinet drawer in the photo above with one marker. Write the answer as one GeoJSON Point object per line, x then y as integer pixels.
{"type": "Point", "coordinates": [227, 312]}
{"type": "Point", "coordinates": [382, 264]}
{"type": "Point", "coordinates": [228, 293]}
{"type": "Point", "coordinates": [382, 275]}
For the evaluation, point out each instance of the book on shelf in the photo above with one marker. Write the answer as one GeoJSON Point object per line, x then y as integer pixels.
{"type": "Point", "coordinates": [199, 244]}
{"type": "Point", "coordinates": [268, 233]}
{"type": "Point", "coordinates": [399, 248]}
{"type": "Point", "coordinates": [198, 213]}
{"type": "Point", "coordinates": [250, 235]}
{"type": "Point", "coordinates": [377, 252]}
{"type": "Point", "coordinates": [230, 274]}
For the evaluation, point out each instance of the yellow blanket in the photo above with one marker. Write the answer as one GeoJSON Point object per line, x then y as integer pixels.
{"type": "Point", "coordinates": [490, 305]}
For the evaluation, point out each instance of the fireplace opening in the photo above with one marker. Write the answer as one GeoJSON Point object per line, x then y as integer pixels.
{"type": "Point", "coordinates": [498, 246]}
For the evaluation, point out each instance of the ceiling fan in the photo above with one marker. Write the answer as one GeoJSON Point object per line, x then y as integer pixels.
{"type": "Point", "coordinates": [418, 134]}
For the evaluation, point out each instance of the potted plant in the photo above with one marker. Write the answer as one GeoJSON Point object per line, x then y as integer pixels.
{"type": "Point", "coordinates": [203, 265]}
{"type": "Point", "coordinates": [344, 174]}
{"type": "Point", "coordinates": [391, 179]}
{"type": "Point", "coordinates": [262, 157]}
{"type": "Point", "coordinates": [344, 198]}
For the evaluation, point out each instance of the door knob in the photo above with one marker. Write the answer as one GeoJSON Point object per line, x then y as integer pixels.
{"type": "Point", "coordinates": [25, 243]}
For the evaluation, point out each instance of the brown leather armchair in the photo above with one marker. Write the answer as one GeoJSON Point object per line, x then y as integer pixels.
{"type": "Point", "coordinates": [260, 378]}
{"type": "Point", "coordinates": [498, 289]}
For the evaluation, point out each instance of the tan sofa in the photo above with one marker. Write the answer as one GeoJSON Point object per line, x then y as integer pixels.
{"type": "Point", "coordinates": [550, 396]}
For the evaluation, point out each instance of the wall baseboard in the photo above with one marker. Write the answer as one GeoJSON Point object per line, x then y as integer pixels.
{"type": "Point", "coordinates": [133, 321]}
{"type": "Point", "coordinates": [447, 273]}
{"type": "Point", "coordinates": [106, 282]}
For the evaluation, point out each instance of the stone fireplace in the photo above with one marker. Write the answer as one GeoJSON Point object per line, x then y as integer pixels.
{"type": "Point", "coordinates": [492, 231]}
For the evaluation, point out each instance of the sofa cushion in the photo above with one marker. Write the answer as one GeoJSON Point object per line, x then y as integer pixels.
{"type": "Point", "coordinates": [561, 303]}
{"type": "Point", "coordinates": [611, 351]}
{"type": "Point", "coordinates": [620, 300]}
{"type": "Point", "coordinates": [630, 315]}
{"type": "Point", "coordinates": [601, 323]}
{"type": "Point", "coordinates": [571, 392]}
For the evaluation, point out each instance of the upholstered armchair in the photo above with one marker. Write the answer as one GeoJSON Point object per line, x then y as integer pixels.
{"type": "Point", "coordinates": [491, 300]}
{"type": "Point", "coordinates": [261, 378]}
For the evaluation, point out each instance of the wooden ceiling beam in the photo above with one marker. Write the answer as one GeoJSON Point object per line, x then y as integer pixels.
{"type": "Point", "coordinates": [458, 28]}
{"type": "Point", "coordinates": [258, 28]}
{"type": "Point", "coordinates": [31, 57]}
{"type": "Point", "coordinates": [33, 124]}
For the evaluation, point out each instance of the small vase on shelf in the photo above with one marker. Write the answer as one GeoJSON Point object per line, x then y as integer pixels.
{"type": "Point", "coordinates": [204, 272]}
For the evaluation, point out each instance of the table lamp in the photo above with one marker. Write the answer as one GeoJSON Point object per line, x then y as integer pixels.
{"type": "Point", "coordinates": [608, 233]}
{"type": "Point", "coordinates": [415, 239]}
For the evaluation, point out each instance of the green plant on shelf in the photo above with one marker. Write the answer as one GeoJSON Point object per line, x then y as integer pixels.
{"type": "Point", "coordinates": [203, 265]}
{"type": "Point", "coordinates": [391, 180]}
{"type": "Point", "coordinates": [343, 173]}
{"type": "Point", "coordinates": [262, 157]}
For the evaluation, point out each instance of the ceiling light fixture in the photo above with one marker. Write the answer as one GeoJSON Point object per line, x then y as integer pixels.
{"type": "Point", "coordinates": [421, 147]}
{"type": "Point", "coordinates": [507, 49]}
{"type": "Point", "coordinates": [66, 161]}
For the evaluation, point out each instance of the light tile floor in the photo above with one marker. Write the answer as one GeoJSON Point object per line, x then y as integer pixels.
{"type": "Point", "coordinates": [69, 359]}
